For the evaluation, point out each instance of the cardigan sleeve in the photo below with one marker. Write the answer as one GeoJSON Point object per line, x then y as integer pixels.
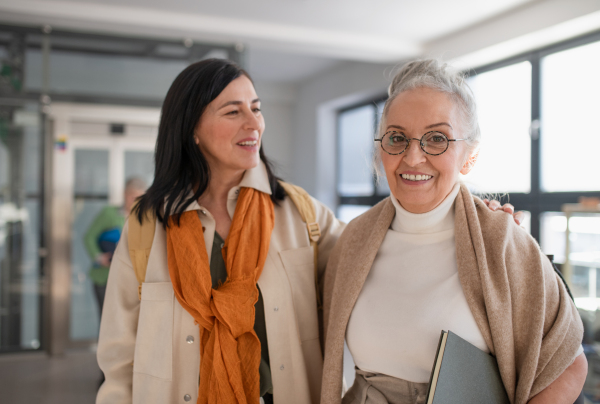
{"type": "Point", "coordinates": [532, 304]}
{"type": "Point", "coordinates": [521, 306]}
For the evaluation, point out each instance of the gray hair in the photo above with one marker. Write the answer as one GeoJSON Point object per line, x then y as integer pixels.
{"type": "Point", "coordinates": [431, 73]}
{"type": "Point", "coordinates": [135, 184]}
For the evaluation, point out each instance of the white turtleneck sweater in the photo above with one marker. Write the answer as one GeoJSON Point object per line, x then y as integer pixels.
{"type": "Point", "coordinates": [411, 294]}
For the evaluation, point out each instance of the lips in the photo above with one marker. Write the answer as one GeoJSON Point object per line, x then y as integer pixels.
{"type": "Point", "coordinates": [248, 143]}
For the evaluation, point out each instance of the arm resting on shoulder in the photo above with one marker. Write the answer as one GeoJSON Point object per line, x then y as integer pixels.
{"type": "Point", "coordinates": [567, 387]}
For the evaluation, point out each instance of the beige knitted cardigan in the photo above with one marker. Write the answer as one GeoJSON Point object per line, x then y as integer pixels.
{"type": "Point", "coordinates": [520, 305]}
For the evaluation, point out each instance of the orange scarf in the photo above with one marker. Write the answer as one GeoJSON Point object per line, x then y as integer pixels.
{"type": "Point", "coordinates": [229, 347]}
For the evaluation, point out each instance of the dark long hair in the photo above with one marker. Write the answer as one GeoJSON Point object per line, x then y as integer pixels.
{"type": "Point", "coordinates": [180, 167]}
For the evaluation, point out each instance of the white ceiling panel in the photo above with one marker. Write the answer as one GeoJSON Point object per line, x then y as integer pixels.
{"type": "Point", "coordinates": [290, 40]}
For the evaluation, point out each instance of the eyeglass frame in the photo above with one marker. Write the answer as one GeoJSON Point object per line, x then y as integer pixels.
{"type": "Point", "coordinates": [380, 140]}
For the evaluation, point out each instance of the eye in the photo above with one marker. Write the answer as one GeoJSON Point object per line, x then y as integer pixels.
{"type": "Point", "coordinates": [396, 138]}
{"type": "Point", "coordinates": [437, 139]}
{"type": "Point", "coordinates": [234, 112]}
{"type": "Point", "coordinates": [256, 110]}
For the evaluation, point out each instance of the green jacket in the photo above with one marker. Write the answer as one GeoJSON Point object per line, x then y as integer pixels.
{"type": "Point", "coordinates": [109, 218]}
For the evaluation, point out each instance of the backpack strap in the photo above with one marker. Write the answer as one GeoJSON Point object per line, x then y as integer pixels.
{"type": "Point", "coordinates": [140, 239]}
{"type": "Point", "coordinates": [306, 207]}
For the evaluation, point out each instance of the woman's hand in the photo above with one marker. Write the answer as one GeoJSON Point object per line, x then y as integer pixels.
{"type": "Point", "coordinates": [567, 387]}
{"type": "Point", "coordinates": [104, 259]}
{"type": "Point", "coordinates": [508, 208]}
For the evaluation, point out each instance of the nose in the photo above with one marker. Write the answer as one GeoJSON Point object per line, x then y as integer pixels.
{"type": "Point", "coordinates": [253, 121]}
{"type": "Point", "coordinates": [414, 155]}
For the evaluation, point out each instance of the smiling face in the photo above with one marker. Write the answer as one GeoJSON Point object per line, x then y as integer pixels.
{"type": "Point", "coordinates": [230, 129]}
{"type": "Point", "coordinates": [413, 113]}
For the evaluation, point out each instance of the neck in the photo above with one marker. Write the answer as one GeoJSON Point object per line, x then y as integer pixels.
{"type": "Point", "coordinates": [219, 186]}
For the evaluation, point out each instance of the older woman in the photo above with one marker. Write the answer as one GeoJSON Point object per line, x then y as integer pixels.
{"type": "Point", "coordinates": [432, 257]}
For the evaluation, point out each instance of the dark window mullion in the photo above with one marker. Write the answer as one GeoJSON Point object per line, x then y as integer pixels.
{"type": "Point", "coordinates": [535, 147]}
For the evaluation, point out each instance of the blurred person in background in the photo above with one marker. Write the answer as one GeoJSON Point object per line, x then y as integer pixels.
{"type": "Point", "coordinates": [432, 257]}
{"type": "Point", "coordinates": [103, 235]}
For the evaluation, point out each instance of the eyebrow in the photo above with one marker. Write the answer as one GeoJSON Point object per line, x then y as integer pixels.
{"type": "Point", "coordinates": [238, 103]}
{"type": "Point", "coordinates": [427, 127]}
{"type": "Point", "coordinates": [439, 124]}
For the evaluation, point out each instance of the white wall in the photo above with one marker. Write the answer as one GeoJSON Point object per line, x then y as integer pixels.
{"type": "Point", "coordinates": [278, 101]}
{"type": "Point", "coordinates": [319, 98]}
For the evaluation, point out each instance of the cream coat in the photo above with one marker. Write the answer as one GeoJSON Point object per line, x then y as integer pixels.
{"type": "Point", "coordinates": [149, 350]}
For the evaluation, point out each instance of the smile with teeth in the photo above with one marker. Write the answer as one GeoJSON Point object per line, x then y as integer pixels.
{"type": "Point", "coordinates": [412, 177]}
{"type": "Point", "coordinates": [248, 143]}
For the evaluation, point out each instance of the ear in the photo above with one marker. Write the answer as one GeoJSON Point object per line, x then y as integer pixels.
{"type": "Point", "coordinates": [470, 163]}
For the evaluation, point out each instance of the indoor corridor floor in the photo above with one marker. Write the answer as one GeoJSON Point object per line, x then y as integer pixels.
{"type": "Point", "coordinates": [39, 379]}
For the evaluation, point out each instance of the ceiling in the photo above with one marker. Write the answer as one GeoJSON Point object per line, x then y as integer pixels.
{"type": "Point", "coordinates": [287, 40]}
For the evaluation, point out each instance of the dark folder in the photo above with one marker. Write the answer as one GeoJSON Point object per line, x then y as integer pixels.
{"type": "Point", "coordinates": [464, 374]}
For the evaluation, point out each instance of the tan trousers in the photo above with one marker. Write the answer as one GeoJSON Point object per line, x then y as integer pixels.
{"type": "Point", "coordinates": [375, 388]}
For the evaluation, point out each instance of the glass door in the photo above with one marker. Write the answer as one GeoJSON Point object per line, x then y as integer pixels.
{"type": "Point", "coordinates": [104, 165]}
{"type": "Point", "coordinates": [21, 215]}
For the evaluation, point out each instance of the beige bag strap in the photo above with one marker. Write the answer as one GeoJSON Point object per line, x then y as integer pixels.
{"type": "Point", "coordinates": [306, 207]}
{"type": "Point", "coordinates": [140, 239]}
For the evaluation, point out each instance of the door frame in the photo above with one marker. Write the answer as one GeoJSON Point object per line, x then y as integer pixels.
{"type": "Point", "coordinates": [64, 117]}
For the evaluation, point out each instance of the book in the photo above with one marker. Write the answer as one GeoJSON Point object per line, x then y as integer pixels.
{"type": "Point", "coordinates": [464, 374]}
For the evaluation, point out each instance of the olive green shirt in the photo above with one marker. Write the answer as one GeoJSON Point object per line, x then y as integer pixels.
{"type": "Point", "coordinates": [218, 274]}
{"type": "Point", "coordinates": [110, 217]}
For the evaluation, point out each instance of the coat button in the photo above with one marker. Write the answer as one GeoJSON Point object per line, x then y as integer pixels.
{"type": "Point", "coordinates": [281, 367]}
{"type": "Point", "coordinates": [237, 191]}
{"type": "Point", "coordinates": [187, 397]}
{"type": "Point", "coordinates": [190, 339]}
{"type": "Point", "coordinates": [222, 245]}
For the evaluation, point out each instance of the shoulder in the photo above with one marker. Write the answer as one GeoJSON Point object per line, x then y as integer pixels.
{"type": "Point", "coordinates": [368, 219]}
{"type": "Point", "coordinates": [361, 226]}
{"type": "Point", "coordinates": [297, 198]}
{"type": "Point", "coordinates": [111, 209]}
{"type": "Point", "coordinates": [508, 245]}
{"type": "Point", "coordinates": [500, 227]}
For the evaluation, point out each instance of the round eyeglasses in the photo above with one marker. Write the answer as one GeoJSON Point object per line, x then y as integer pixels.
{"type": "Point", "coordinates": [433, 143]}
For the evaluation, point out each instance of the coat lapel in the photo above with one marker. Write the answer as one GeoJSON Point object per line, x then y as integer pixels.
{"type": "Point", "coordinates": [470, 257]}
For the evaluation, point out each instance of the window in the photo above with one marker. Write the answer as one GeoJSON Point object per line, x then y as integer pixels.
{"type": "Point", "coordinates": [357, 187]}
{"type": "Point", "coordinates": [355, 147]}
{"type": "Point", "coordinates": [504, 107]}
{"type": "Point", "coordinates": [571, 133]}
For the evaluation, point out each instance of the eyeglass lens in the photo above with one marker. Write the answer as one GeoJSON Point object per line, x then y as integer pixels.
{"type": "Point", "coordinates": [431, 143]}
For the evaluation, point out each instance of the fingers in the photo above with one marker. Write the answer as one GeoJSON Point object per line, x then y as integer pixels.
{"type": "Point", "coordinates": [519, 216]}
{"type": "Point", "coordinates": [494, 205]}
{"type": "Point", "coordinates": [508, 208]}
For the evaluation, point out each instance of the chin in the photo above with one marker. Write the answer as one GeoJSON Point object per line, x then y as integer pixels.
{"type": "Point", "coordinates": [412, 201]}
{"type": "Point", "coordinates": [248, 164]}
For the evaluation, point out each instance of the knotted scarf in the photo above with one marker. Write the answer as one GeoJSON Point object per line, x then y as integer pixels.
{"type": "Point", "coordinates": [229, 347]}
